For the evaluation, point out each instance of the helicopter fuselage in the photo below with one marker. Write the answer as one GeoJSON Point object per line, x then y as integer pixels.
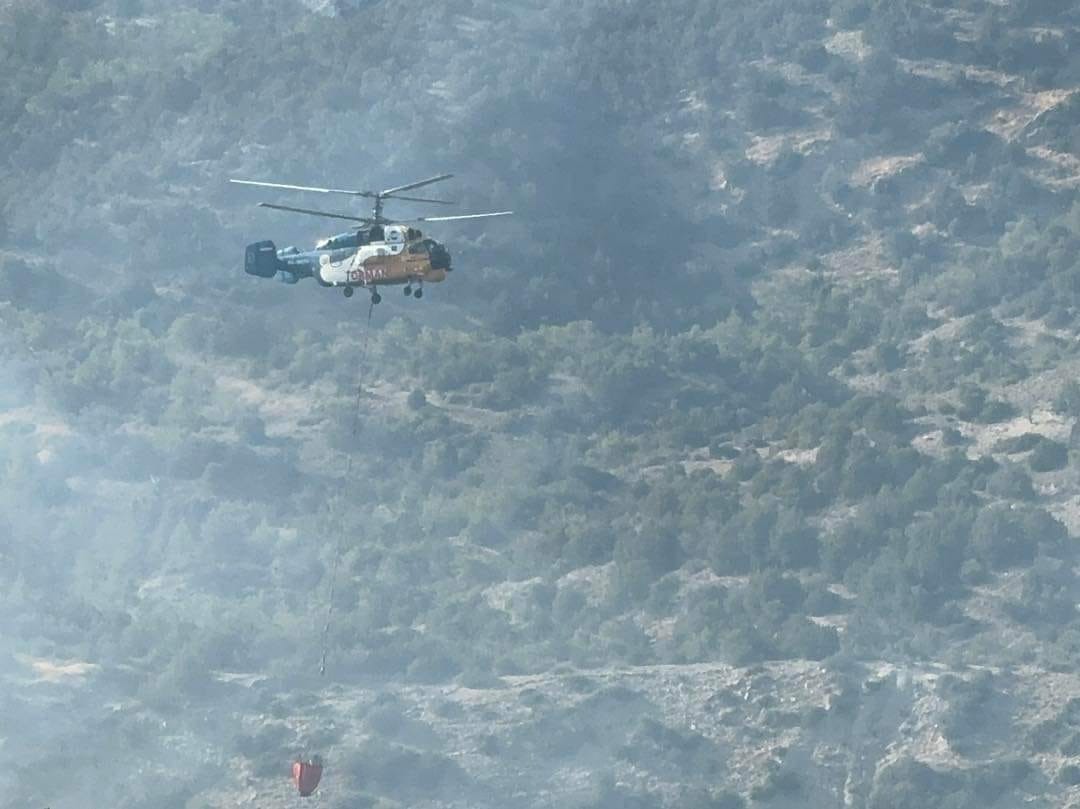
{"type": "Point", "coordinates": [376, 256]}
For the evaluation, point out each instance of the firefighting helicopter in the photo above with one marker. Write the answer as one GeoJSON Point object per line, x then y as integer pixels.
{"type": "Point", "coordinates": [377, 252]}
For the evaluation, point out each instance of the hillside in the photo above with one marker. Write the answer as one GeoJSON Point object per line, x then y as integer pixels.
{"type": "Point", "coordinates": [738, 469]}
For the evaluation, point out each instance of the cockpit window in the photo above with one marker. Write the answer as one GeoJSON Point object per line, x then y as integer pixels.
{"type": "Point", "coordinates": [412, 234]}
{"type": "Point", "coordinates": [341, 241]}
{"type": "Point", "coordinates": [417, 249]}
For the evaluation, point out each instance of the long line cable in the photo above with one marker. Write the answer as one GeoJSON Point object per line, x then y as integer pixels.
{"type": "Point", "coordinates": [345, 480]}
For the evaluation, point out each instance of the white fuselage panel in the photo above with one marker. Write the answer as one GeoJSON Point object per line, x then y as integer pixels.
{"type": "Point", "coordinates": [367, 264]}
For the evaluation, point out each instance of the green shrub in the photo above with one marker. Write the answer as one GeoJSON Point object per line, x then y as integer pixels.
{"type": "Point", "coordinates": [1069, 774]}
{"type": "Point", "coordinates": [1048, 456]}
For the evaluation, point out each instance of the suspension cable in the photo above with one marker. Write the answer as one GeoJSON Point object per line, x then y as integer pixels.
{"type": "Point", "coordinates": [345, 481]}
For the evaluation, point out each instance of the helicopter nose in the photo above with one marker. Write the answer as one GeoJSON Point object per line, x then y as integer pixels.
{"type": "Point", "coordinates": [440, 257]}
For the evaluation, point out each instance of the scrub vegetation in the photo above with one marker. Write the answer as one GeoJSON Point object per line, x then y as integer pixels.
{"type": "Point", "coordinates": [736, 470]}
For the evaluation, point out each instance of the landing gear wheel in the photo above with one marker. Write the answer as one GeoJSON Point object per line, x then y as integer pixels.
{"type": "Point", "coordinates": [419, 293]}
{"type": "Point", "coordinates": [375, 297]}
{"type": "Point", "coordinates": [407, 291]}
{"type": "Point", "coordinates": [348, 292]}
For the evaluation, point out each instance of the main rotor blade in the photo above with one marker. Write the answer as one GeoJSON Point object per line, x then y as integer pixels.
{"type": "Point", "coordinates": [417, 184]}
{"type": "Point", "coordinates": [422, 199]}
{"type": "Point", "coordinates": [460, 216]}
{"type": "Point", "coordinates": [312, 212]}
{"type": "Point", "coordinates": [288, 187]}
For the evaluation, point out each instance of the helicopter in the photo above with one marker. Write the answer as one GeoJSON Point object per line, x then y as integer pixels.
{"type": "Point", "coordinates": [377, 252]}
